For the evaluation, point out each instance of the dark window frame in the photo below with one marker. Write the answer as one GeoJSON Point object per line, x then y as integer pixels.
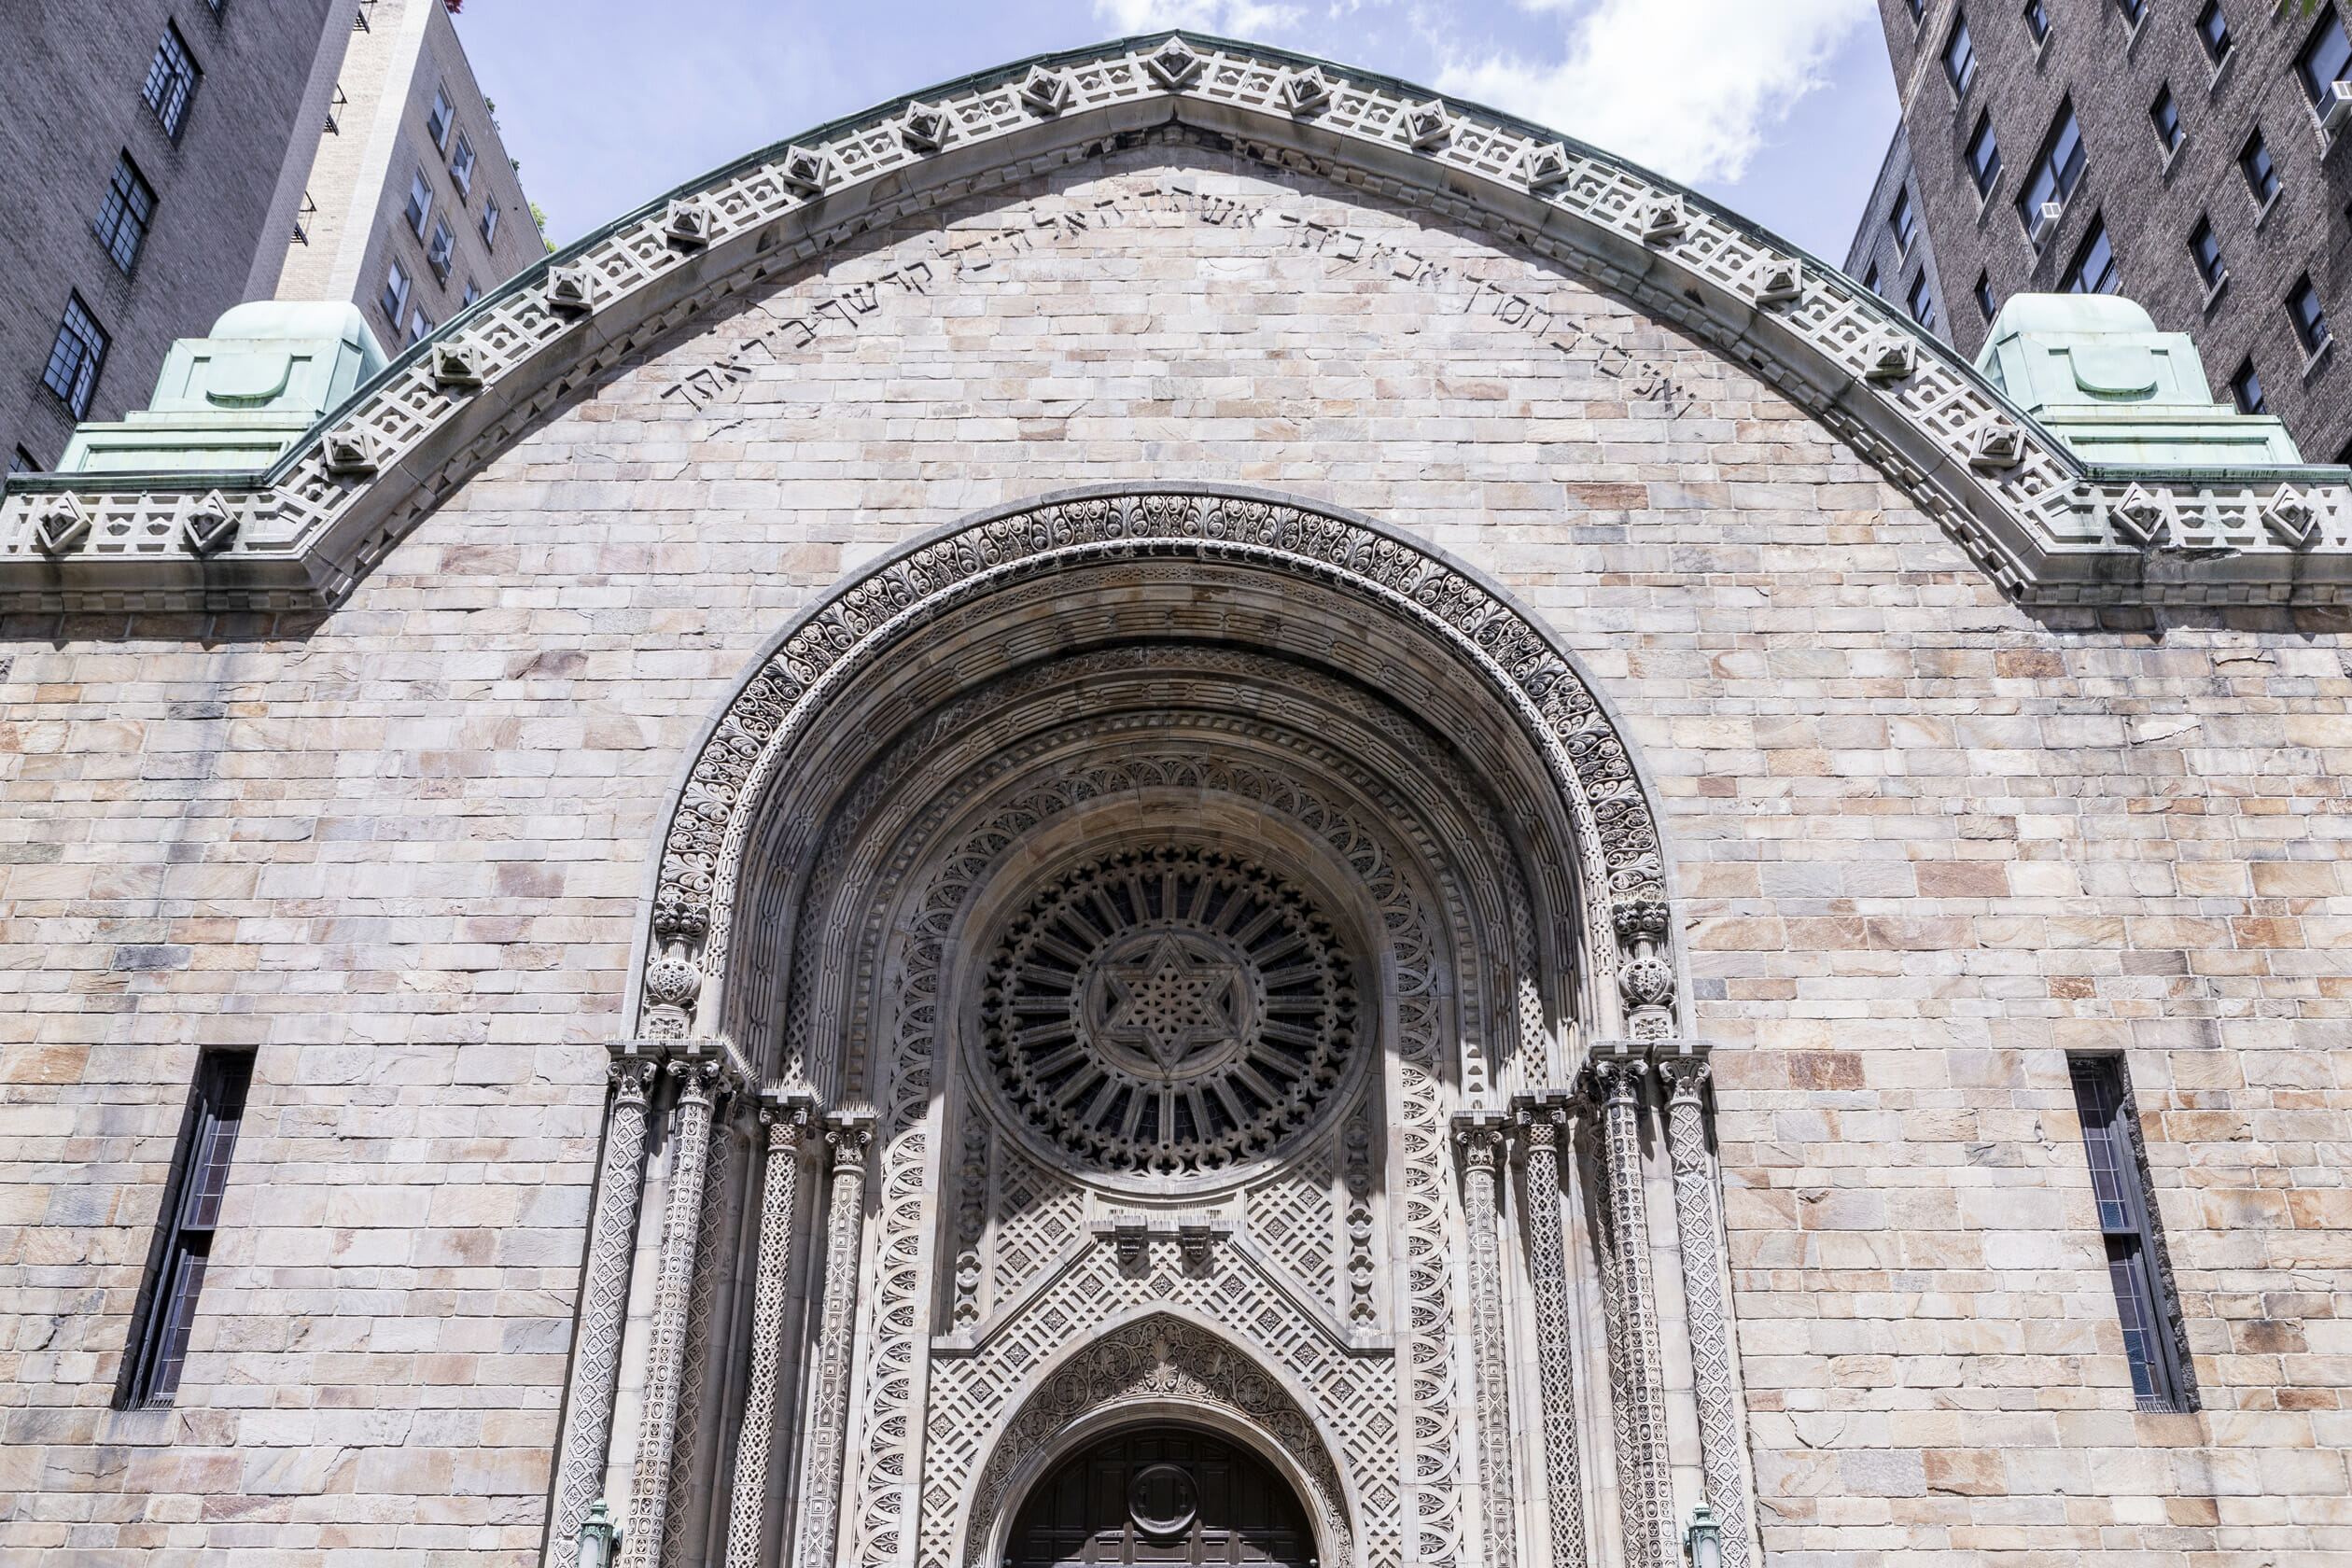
{"type": "Point", "coordinates": [2262, 173]}
{"type": "Point", "coordinates": [2309, 316]}
{"type": "Point", "coordinates": [2036, 22]}
{"type": "Point", "coordinates": [126, 215]}
{"type": "Point", "coordinates": [2164, 115]}
{"type": "Point", "coordinates": [1984, 172]}
{"type": "Point", "coordinates": [2140, 1268]}
{"type": "Point", "coordinates": [23, 462]}
{"type": "Point", "coordinates": [1902, 222]}
{"type": "Point", "coordinates": [2133, 11]}
{"type": "Point", "coordinates": [1985, 296]}
{"type": "Point", "coordinates": [2246, 388]}
{"type": "Point", "coordinates": [171, 80]}
{"type": "Point", "coordinates": [74, 379]}
{"type": "Point", "coordinates": [2307, 57]}
{"type": "Point", "coordinates": [156, 1353]}
{"type": "Point", "coordinates": [1921, 302]}
{"type": "Point", "coordinates": [2096, 251]}
{"type": "Point", "coordinates": [2205, 254]}
{"type": "Point", "coordinates": [2061, 177]}
{"type": "Point", "coordinates": [1959, 55]}
{"type": "Point", "coordinates": [2213, 31]}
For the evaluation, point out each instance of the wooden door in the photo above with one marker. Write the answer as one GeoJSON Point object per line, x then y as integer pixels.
{"type": "Point", "coordinates": [1161, 1494]}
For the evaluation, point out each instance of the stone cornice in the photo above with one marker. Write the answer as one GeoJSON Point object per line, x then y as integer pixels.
{"type": "Point", "coordinates": [2048, 530]}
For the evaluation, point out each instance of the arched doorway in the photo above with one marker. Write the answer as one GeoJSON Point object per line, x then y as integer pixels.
{"type": "Point", "coordinates": [1160, 1493]}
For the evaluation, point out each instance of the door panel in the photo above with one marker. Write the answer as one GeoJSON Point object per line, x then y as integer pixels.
{"type": "Point", "coordinates": [1161, 1494]}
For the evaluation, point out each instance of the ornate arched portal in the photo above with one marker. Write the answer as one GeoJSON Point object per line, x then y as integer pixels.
{"type": "Point", "coordinates": [1155, 906]}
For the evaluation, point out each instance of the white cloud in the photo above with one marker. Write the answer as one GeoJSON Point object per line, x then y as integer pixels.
{"type": "Point", "coordinates": [1690, 88]}
{"type": "Point", "coordinates": [1230, 19]}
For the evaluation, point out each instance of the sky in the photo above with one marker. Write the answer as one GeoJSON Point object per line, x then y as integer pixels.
{"type": "Point", "coordinates": [1779, 108]}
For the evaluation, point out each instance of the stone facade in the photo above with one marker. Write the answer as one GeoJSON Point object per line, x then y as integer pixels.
{"type": "Point", "coordinates": [1880, 259]}
{"type": "Point", "coordinates": [450, 858]}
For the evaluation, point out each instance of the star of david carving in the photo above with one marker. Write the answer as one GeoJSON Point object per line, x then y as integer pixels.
{"type": "Point", "coordinates": [1178, 1003]}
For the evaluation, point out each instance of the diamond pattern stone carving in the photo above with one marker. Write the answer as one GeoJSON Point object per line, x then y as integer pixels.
{"type": "Point", "coordinates": [1168, 1013]}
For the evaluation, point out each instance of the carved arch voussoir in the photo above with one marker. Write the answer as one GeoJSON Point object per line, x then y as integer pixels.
{"type": "Point", "coordinates": [815, 660]}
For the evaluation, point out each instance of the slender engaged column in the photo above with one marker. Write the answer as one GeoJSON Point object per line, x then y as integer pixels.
{"type": "Point", "coordinates": [1644, 1481]}
{"type": "Point", "coordinates": [778, 1203]}
{"type": "Point", "coordinates": [1695, 1222]}
{"type": "Point", "coordinates": [829, 1411]}
{"type": "Point", "coordinates": [1482, 1140]}
{"type": "Point", "coordinates": [1540, 1129]}
{"type": "Point", "coordinates": [681, 1229]}
{"type": "Point", "coordinates": [603, 1303]}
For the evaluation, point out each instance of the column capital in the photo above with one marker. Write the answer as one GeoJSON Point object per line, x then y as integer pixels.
{"type": "Point", "coordinates": [1479, 1135]}
{"type": "Point", "coordinates": [1613, 1071]}
{"type": "Point", "coordinates": [714, 1059]}
{"type": "Point", "coordinates": [789, 1117]}
{"type": "Point", "coordinates": [847, 1133]}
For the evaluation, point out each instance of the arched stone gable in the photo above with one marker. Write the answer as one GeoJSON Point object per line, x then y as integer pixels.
{"type": "Point", "coordinates": [2026, 509]}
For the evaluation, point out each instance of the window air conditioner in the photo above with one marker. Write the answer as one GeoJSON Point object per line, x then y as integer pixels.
{"type": "Point", "coordinates": [2046, 222]}
{"type": "Point", "coordinates": [2335, 107]}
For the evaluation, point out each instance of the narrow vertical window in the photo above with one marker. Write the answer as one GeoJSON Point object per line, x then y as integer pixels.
{"type": "Point", "coordinates": [2246, 390]}
{"type": "Point", "coordinates": [2055, 172]}
{"type": "Point", "coordinates": [420, 204]}
{"type": "Point", "coordinates": [2213, 31]}
{"type": "Point", "coordinates": [396, 291]}
{"type": "Point", "coordinates": [438, 122]}
{"type": "Point", "coordinates": [76, 357]}
{"type": "Point", "coordinates": [170, 82]}
{"type": "Point", "coordinates": [1903, 222]}
{"type": "Point", "coordinates": [461, 164]}
{"type": "Point", "coordinates": [2254, 162]}
{"type": "Point", "coordinates": [2036, 21]}
{"type": "Point", "coordinates": [2092, 269]}
{"type": "Point", "coordinates": [1918, 9]}
{"type": "Point", "coordinates": [2135, 1249]}
{"type": "Point", "coordinates": [474, 292]}
{"type": "Point", "coordinates": [191, 1212]}
{"type": "Point", "coordinates": [22, 463]}
{"type": "Point", "coordinates": [443, 252]}
{"type": "Point", "coordinates": [420, 327]}
{"type": "Point", "coordinates": [2133, 10]}
{"type": "Point", "coordinates": [1985, 295]}
{"type": "Point", "coordinates": [2325, 60]}
{"type": "Point", "coordinates": [2165, 115]}
{"type": "Point", "coordinates": [1923, 303]}
{"type": "Point", "coordinates": [1984, 155]}
{"type": "Point", "coordinates": [2206, 251]}
{"type": "Point", "coordinates": [123, 217]}
{"type": "Point", "coordinates": [1959, 56]}
{"type": "Point", "coordinates": [2303, 310]}
{"type": "Point", "coordinates": [490, 220]}
{"type": "Point", "coordinates": [1871, 279]}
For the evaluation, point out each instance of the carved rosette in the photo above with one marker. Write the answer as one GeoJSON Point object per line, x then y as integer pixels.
{"type": "Point", "coordinates": [1684, 1077]}
{"type": "Point", "coordinates": [1541, 1124]}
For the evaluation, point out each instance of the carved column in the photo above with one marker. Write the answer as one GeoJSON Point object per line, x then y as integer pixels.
{"type": "Point", "coordinates": [1637, 1368]}
{"type": "Point", "coordinates": [1541, 1125]}
{"type": "Point", "coordinates": [829, 1412]}
{"type": "Point", "coordinates": [604, 1304]}
{"type": "Point", "coordinates": [699, 1085]}
{"type": "Point", "coordinates": [1482, 1140]}
{"type": "Point", "coordinates": [1684, 1077]}
{"type": "Point", "coordinates": [778, 1206]}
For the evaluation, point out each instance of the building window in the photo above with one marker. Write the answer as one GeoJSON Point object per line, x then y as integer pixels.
{"type": "Point", "coordinates": [437, 123]}
{"type": "Point", "coordinates": [2133, 10]}
{"type": "Point", "coordinates": [2165, 114]}
{"type": "Point", "coordinates": [2036, 21]}
{"type": "Point", "coordinates": [76, 357]}
{"type": "Point", "coordinates": [2135, 1251]}
{"type": "Point", "coordinates": [1923, 303]}
{"type": "Point", "coordinates": [2058, 168]}
{"type": "Point", "coordinates": [192, 1215]}
{"type": "Point", "coordinates": [490, 220]}
{"type": "Point", "coordinates": [1903, 222]}
{"type": "Point", "coordinates": [2311, 322]}
{"type": "Point", "coordinates": [420, 204]}
{"type": "Point", "coordinates": [461, 164]}
{"type": "Point", "coordinates": [170, 82]}
{"type": "Point", "coordinates": [2254, 162]}
{"type": "Point", "coordinates": [1959, 56]}
{"type": "Point", "coordinates": [1918, 9]}
{"type": "Point", "coordinates": [2326, 58]}
{"type": "Point", "coordinates": [1984, 155]}
{"type": "Point", "coordinates": [2206, 251]}
{"type": "Point", "coordinates": [2246, 390]}
{"type": "Point", "coordinates": [1871, 280]}
{"type": "Point", "coordinates": [420, 327]}
{"type": "Point", "coordinates": [396, 291]}
{"type": "Point", "coordinates": [2213, 28]}
{"type": "Point", "coordinates": [2092, 269]}
{"type": "Point", "coordinates": [1984, 294]}
{"type": "Point", "coordinates": [474, 292]}
{"type": "Point", "coordinates": [22, 463]}
{"type": "Point", "coordinates": [123, 219]}
{"type": "Point", "coordinates": [443, 253]}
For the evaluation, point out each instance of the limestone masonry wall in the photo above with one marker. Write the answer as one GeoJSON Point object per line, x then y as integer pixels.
{"type": "Point", "coordinates": [1925, 847]}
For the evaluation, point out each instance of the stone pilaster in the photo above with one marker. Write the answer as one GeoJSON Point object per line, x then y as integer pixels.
{"type": "Point", "coordinates": [604, 1305]}
{"type": "Point", "coordinates": [1542, 1122]}
{"type": "Point", "coordinates": [829, 1411]}
{"type": "Point", "coordinates": [1636, 1367]}
{"type": "Point", "coordinates": [1480, 1137]}
{"type": "Point", "coordinates": [787, 1125]}
{"type": "Point", "coordinates": [1683, 1069]}
{"type": "Point", "coordinates": [702, 1081]}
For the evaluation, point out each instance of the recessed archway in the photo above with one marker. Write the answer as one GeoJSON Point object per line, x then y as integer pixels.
{"type": "Point", "coordinates": [1160, 1491]}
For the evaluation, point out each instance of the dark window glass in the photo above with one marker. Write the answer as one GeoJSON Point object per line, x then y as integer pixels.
{"type": "Point", "coordinates": [1984, 294]}
{"type": "Point", "coordinates": [1923, 303]}
{"type": "Point", "coordinates": [1918, 8]}
{"type": "Point", "coordinates": [170, 82]}
{"type": "Point", "coordinates": [2254, 162]}
{"type": "Point", "coordinates": [420, 204]}
{"type": "Point", "coordinates": [443, 252]}
{"type": "Point", "coordinates": [123, 219]}
{"type": "Point", "coordinates": [2206, 252]}
{"type": "Point", "coordinates": [1959, 57]}
{"type": "Point", "coordinates": [2246, 390]}
{"type": "Point", "coordinates": [23, 462]}
{"type": "Point", "coordinates": [438, 121]}
{"type": "Point", "coordinates": [2167, 114]}
{"type": "Point", "coordinates": [2143, 1297]}
{"type": "Point", "coordinates": [2092, 269]}
{"type": "Point", "coordinates": [1903, 221]}
{"type": "Point", "coordinates": [2036, 20]}
{"type": "Point", "coordinates": [1870, 278]}
{"type": "Point", "coordinates": [2132, 9]}
{"type": "Point", "coordinates": [191, 1213]}
{"type": "Point", "coordinates": [1984, 155]}
{"type": "Point", "coordinates": [75, 358]}
{"type": "Point", "coordinates": [2343, 457]}
{"type": "Point", "coordinates": [2326, 58]}
{"type": "Point", "coordinates": [2303, 308]}
{"type": "Point", "coordinates": [490, 220]}
{"type": "Point", "coordinates": [396, 291]}
{"type": "Point", "coordinates": [2214, 29]}
{"type": "Point", "coordinates": [2057, 170]}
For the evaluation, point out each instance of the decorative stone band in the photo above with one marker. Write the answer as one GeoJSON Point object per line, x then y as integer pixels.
{"type": "Point", "coordinates": [301, 534]}
{"type": "Point", "coordinates": [1542, 1122]}
{"type": "Point", "coordinates": [1479, 1135]}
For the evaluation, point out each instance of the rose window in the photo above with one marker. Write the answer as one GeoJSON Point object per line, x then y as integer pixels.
{"type": "Point", "coordinates": [1168, 1011]}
